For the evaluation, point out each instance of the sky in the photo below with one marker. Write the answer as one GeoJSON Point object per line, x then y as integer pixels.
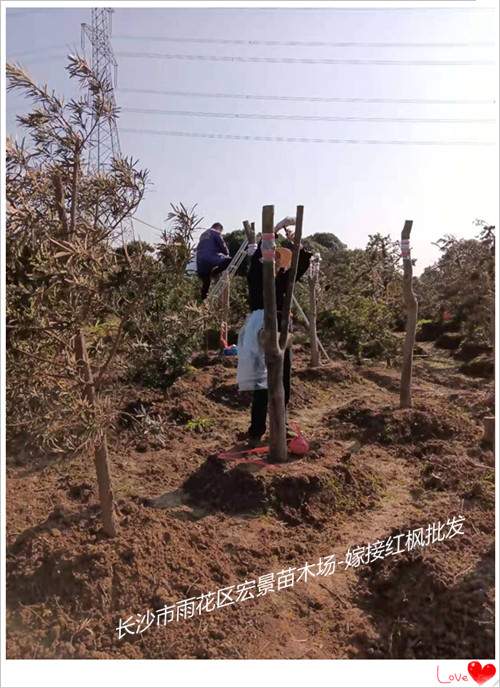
{"type": "Point", "coordinates": [352, 190]}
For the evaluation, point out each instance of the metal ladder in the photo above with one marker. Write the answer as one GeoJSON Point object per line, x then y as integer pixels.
{"type": "Point", "coordinates": [238, 258]}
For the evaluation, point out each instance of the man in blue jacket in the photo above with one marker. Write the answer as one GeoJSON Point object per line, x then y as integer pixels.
{"type": "Point", "coordinates": [212, 256]}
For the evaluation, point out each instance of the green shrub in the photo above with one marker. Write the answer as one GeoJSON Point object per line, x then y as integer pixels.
{"type": "Point", "coordinates": [199, 425]}
{"type": "Point", "coordinates": [361, 324]}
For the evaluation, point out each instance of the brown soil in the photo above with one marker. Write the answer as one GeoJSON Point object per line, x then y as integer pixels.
{"type": "Point", "coordinates": [190, 523]}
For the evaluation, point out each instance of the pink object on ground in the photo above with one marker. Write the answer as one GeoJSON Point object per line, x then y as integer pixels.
{"type": "Point", "coordinates": [298, 445]}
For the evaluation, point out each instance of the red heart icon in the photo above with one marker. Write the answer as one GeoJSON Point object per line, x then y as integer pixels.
{"type": "Point", "coordinates": [481, 674]}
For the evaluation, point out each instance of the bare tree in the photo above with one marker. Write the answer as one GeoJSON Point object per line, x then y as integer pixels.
{"type": "Point", "coordinates": [276, 340]}
{"type": "Point", "coordinates": [411, 317]}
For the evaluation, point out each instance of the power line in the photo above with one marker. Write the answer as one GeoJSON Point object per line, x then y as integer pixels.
{"type": "Point", "coordinates": [306, 60]}
{"type": "Point", "coordinates": [309, 118]}
{"type": "Point", "coordinates": [12, 14]}
{"type": "Point", "coordinates": [286, 139]}
{"type": "Point", "coordinates": [16, 56]}
{"type": "Point", "coordinates": [47, 58]}
{"type": "Point", "coordinates": [305, 99]}
{"type": "Point", "coordinates": [136, 219]}
{"type": "Point", "coordinates": [307, 44]}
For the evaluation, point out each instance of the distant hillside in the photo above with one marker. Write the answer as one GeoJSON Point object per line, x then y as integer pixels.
{"type": "Point", "coordinates": [324, 243]}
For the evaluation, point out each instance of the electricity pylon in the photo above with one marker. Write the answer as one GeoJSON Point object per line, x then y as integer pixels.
{"type": "Point", "coordinates": [105, 142]}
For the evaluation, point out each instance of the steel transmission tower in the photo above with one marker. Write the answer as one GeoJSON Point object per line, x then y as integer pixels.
{"type": "Point", "coordinates": [105, 143]}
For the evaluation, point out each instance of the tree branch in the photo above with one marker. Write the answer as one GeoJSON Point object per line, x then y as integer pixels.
{"type": "Point", "coordinates": [287, 303]}
{"type": "Point", "coordinates": [74, 191]}
{"type": "Point", "coordinates": [59, 194]}
{"type": "Point", "coordinates": [111, 355]}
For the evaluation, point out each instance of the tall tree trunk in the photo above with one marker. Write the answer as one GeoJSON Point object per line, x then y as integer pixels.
{"type": "Point", "coordinates": [411, 318]}
{"type": "Point", "coordinates": [312, 280]}
{"type": "Point", "coordinates": [101, 457]}
{"type": "Point", "coordinates": [275, 343]}
{"type": "Point", "coordinates": [313, 335]}
{"type": "Point", "coordinates": [287, 303]}
{"type": "Point", "coordinates": [492, 322]}
{"type": "Point", "coordinates": [278, 450]}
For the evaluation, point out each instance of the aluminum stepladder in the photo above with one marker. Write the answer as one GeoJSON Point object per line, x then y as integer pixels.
{"type": "Point", "coordinates": [228, 273]}
{"type": "Point", "coordinates": [219, 294]}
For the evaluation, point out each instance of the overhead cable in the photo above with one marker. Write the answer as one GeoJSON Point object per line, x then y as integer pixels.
{"type": "Point", "coordinates": [306, 99]}
{"type": "Point", "coordinates": [309, 118]}
{"type": "Point", "coordinates": [288, 139]}
{"type": "Point", "coordinates": [307, 60]}
{"type": "Point", "coordinates": [309, 44]}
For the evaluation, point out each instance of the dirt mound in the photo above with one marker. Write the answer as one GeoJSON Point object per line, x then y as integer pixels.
{"type": "Point", "coordinates": [331, 372]}
{"type": "Point", "coordinates": [385, 380]}
{"type": "Point", "coordinates": [470, 479]}
{"type": "Point", "coordinates": [430, 448]}
{"type": "Point", "coordinates": [229, 395]}
{"type": "Point", "coordinates": [476, 407]}
{"type": "Point", "coordinates": [469, 350]}
{"type": "Point", "coordinates": [398, 426]}
{"type": "Point", "coordinates": [297, 492]}
{"type": "Point", "coordinates": [67, 585]}
{"type": "Point", "coordinates": [419, 612]}
{"type": "Point", "coordinates": [429, 331]}
{"type": "Point", "coordinates": [205, 360]}
{"type": "Point", "coordinates": [449, 340]}
{"type": "Point", "coordinates": [482, 366]}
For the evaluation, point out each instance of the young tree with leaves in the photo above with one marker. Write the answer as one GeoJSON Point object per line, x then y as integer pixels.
{"type": "Point", "coordinates": [62, 271]}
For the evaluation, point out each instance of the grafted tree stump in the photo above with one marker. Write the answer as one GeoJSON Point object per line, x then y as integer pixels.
{"type": "Point", "coordinates": [249, 231]}
{"type": "Point", "coordinates": [313, 279]}
{"type": "Point", "coordinates": [411, 318]}
{"type": "Point", "coordinates": [275, 343]}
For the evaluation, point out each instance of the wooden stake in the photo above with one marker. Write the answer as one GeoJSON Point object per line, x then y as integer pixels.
{"type": "Point", "coordinates": [411, 304]}
{"type": "Point", "coordinates": [101, 457]}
